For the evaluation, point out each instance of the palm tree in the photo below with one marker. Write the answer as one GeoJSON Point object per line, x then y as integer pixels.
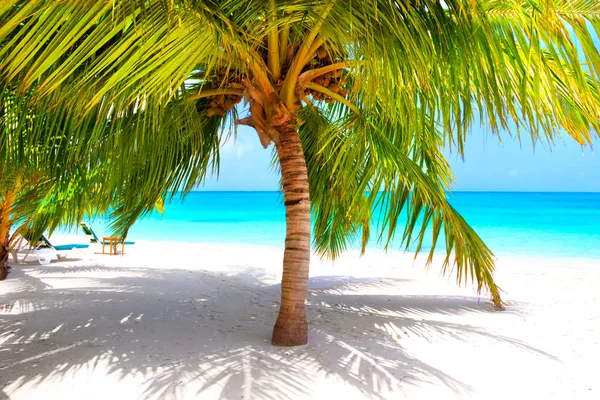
{"type": "Point", "coordinates": [56, 170]}
{"type": "Point", "coordinates": [26, 186]}
{"type": "Point", "coordinates": [358, 98]}
{"type": "Point", "coordinates": [40, 188]}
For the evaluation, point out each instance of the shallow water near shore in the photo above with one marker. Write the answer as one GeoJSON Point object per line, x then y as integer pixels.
{"type": "Point", "coordinates": [533, 224]}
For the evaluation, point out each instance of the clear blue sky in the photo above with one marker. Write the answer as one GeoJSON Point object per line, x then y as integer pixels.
{"type": "Point", "coordinates": [488, 165]}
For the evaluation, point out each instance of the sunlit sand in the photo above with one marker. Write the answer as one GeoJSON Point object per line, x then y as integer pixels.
{"type": "Point", "coordinates": [187, 321]}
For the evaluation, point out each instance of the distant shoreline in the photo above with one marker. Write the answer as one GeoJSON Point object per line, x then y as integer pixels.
{"type": "Point", "coordinates": [526, 223]}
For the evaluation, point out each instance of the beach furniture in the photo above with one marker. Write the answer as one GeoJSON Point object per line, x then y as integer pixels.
{"type": "Point", "coordinates": [113, 242]}
{"type": "Point", "coordinates": [109, 241]}
{"type": "Point", "coordinates": [43, 250]}
{"type": "Point", "coordinates": [89, 232]}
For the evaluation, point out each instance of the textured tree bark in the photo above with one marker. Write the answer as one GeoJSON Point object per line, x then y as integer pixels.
{"type": "Point", "coordinates": [291, 328]}
{"type": "Point", "coordinates": [6, 205]}
{"type": "Point", "coordinates": [4, 252]}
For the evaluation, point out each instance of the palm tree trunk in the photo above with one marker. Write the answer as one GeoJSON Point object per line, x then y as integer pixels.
{"type": "Point", "coordinates": [291, 328]}
{"type": "Point", "coordinates": [6, 205]}
{"type": "Point", "coordinates": [4, 252]}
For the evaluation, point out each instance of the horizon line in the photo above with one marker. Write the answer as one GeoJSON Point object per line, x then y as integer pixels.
{"type": "Point", "coordinates": [447, 191]}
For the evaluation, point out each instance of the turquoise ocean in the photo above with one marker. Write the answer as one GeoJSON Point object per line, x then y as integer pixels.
{"type": "Point", "coordinates": [533, 224]}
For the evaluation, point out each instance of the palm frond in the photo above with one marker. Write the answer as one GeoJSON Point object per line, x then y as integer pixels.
{"type": "Point", "coordinates": [362, 174]}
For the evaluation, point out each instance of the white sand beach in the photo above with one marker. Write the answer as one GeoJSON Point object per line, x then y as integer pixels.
{"type": "Point", "coordinates": [193, 321]}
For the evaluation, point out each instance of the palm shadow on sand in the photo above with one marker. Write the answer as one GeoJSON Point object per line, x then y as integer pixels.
{"type": "Point", "coordinates": [164, 329]}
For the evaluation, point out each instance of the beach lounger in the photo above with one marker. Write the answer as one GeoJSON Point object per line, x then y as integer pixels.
{"type": "Point", "coordinates": [111, 242]}
{"type": "Point", "coordinates": [44, 250]}
{"type": "Point", "coordinates": [91, 235]}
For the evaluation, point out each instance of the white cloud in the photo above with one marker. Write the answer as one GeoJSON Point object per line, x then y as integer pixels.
{"type": "Point", "coordinates": [243, 149]}
{"type": "Point", "coordinates": [237, 146]}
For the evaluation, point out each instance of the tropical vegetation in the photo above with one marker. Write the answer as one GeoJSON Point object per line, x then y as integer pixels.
{"type": "Point", "coordinates": [57, 171]}
{"type": "Point", "coordinates": [357, 99]}
{"type": "Point", "coordinates": [32, 197]}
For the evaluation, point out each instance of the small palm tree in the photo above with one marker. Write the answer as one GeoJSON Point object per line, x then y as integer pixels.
{"type": "Point", "coordinates": [358, 99]}
{"type": "Point", "coordinates": [56, 170]}
{"type": "Point", "coordinates": [32, 197]}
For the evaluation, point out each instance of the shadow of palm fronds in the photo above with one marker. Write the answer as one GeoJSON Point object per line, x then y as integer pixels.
{"type": "Point", "coordinates": [178, 334]}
